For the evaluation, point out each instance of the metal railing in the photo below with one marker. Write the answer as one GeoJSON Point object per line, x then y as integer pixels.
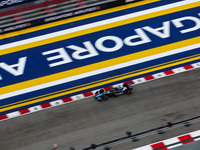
{"type": "Point", "coordinates": [58, 8]}
{"type": "Point", "coordinates": [22, 5]}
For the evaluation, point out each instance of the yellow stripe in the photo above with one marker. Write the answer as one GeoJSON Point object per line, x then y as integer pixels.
{"type": "Point", "coordinates": [98, 65]}
{"type": "Point", "coordinates": [95, 29]}
{"type": "Point", "coordinates": [116, 78]}
{"type": "Point", "coordinates": [102, 12]}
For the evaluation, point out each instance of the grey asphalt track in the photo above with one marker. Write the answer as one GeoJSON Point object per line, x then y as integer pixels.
{"type": "Point", "coordinates": [85, 122]}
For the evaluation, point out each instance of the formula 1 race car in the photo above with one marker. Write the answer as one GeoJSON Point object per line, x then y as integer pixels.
{"type": "Point", "coordinates": [113, 92]}
{"type": "Point", "coordinates": [120, 90]}
{"type": "Point", "coordinates": [100, 95]}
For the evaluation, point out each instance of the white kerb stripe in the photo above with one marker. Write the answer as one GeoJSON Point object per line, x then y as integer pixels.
{"type": "Point", "coordinates": [148, 147]}
{"type": "Point", "coordinates": [96, 24]}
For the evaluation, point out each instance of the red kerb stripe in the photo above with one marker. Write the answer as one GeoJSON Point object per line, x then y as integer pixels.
{"type": "Point", "coordinates": [159, 145]}
{"type": "Point", "coordinates": [131, 82]}
{"type": "Point", "coordinates": [45, 105]}
{"type": "Point", "coordinates": [188, 67]}
{"type": "Point", "coordinates": [67, 99]}
{"type": "Point", "coordinates": [88, 94]}
{"type": "Point", "coordinates": [2, 117]}
{"type": "Point", "coordinates": [168, 72]}
{"type": "Point", "coordinates": [24, 111]}
{"type": "Point", "coordinates": [185, 137]}
{"type": "Point", "coordinates": [149, 77]}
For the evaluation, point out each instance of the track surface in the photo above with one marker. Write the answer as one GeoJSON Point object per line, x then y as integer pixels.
{"type": "Point", "coordinates": [86, 122]}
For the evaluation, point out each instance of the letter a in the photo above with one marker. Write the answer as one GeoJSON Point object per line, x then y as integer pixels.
{"type": "Point", "coordinates": [165, 28]}
{"type": "Point", "coordinates": [11, 68]}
